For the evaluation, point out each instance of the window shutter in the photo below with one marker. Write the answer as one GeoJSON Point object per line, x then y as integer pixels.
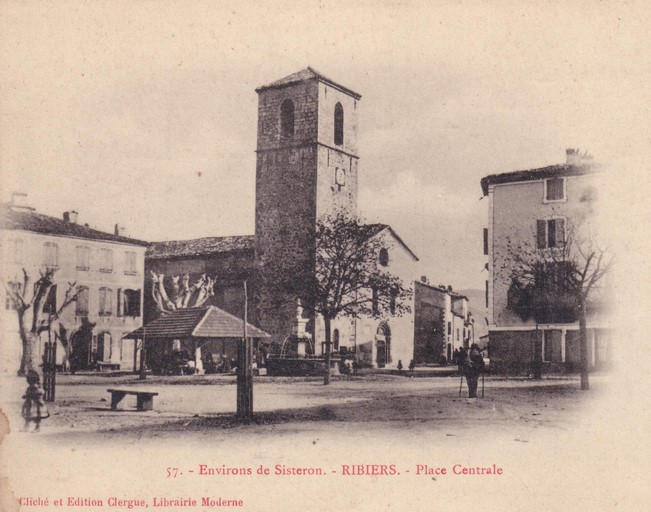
{"type": "Point", "coordinates": [485, 241]}
{"type": "Point", "coordinates": [50, 305]}
{"type": "Point", "coordinates": [120, 304]}
{"type": "Point", "coordinates": [560, 231]}
{"type": "Point", "coordinates": [540, 234]}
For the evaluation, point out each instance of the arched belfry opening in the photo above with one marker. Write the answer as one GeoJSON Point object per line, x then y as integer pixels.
{"type": "Point", "coordinates": [339, 124]}
{"type": "Point", "coordinates": [287, 119]}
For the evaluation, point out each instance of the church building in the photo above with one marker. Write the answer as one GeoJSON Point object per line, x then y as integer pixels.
{"type": "Point", "coordinates": [307, 168]}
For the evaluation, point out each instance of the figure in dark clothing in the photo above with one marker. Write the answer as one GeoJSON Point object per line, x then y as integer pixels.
{"type": "Point", "coordinates": [412, 365]}
{"type": "Point", "coordinates": [473, 368]}
{"type": "Point", "coordinates": [461, 359]}
{"type": "Point", "coordinates": [34, 408]}
{"type": "Point", "coordinates": [455, 356]}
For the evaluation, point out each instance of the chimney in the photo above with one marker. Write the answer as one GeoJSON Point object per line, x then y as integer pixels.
{"type": "Point", "coordinates": [423, 279]}
{"type": "Point", "coordinates": [116, 231]}
{"type": "Point", "coordinates": [573, 156]}
{"type": "Point", "coordinates": [71, 216]}
{"type": "Point", "coordinates": [449, 287]}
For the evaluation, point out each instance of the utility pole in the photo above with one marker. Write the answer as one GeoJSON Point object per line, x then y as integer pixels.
{"type": "Point", "coordinates": [143, 368]}
{"type": "Point", "coordinates": [244, 369]}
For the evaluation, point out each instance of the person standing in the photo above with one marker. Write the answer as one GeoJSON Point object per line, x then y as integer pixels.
{"type": "Point", "coordinates": [462, 355]}
{"type": "Point", "coordinates": [34, 408]}
{"type": "Point", "coordinates": [473, 368]}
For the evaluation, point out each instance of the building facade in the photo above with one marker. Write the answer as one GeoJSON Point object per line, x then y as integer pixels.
{"type": "Point", "coordinates": [443, 323]}
{"type": "Point", "coordinates": [540, 211]}
{"type": "Point", "coordinates": [107, 271]}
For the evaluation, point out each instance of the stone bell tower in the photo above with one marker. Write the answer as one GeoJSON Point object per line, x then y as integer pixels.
{"type": "Point", "coordinates": [306, 169]}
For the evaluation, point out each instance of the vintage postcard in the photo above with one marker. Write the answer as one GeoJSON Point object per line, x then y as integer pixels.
{"type": "Point", "coordinates": [322, 256]}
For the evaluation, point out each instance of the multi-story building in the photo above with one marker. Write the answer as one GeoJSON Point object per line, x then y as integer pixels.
{"type": "Point", "coordinates": [540, 211]}
{"type": "Point", "coordinates": [106, 270]}
{"type": "Point", "coordinates": [443, 322]}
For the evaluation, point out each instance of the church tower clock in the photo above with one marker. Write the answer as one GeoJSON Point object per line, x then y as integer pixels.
{"type": "Point", "coordinates": [306, 169]}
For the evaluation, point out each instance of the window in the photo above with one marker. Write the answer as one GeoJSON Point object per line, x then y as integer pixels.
{"type": "Point", "coordinates": [339, 124]}
{"type": "Point", "coordinates": [51, 254]}
{"type": "Point", "coordinates": [83, 257]}
{"type": "Point", "coordinates": [458, 335]}
{"type": "Point", "coordinates": [128, 303]}
{"type": "Point", "coordinates": [105, 302]}
{"type": "Point", "coordinates": [550, 233]}
{"type": "Point", "coordinates": [449, 328]}
{"type": "Point", "coordinates": [81, 308]}
{"type": "Point", "coordinates": [335, 339]}
{"type": "Point", "coordinates": [384, 257]}
{"type": "Point", "coordinates": [485, 241]}
{"type": "Point", "coordinates": [15, 251]}
{"type": "Point", "coordinates": [130, 263]}
{"type": "Point", "coordinates": [287, 119]}
{"type": "Point", "coordinates": [106, 260]}
{"type": "Point", "coordinates": [486, 292]}
{"type": "Point", "coordinates": [375, 302]}
{"type": "Point", "coordinates": [12, 289]}
{"type": "Point", "coordinates": [555, 189]}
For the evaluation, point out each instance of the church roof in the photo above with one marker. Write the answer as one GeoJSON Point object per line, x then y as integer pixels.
{"type": "Point", "coordinates": [203, 322]}
{"type": "Point", "coordinates": [199, 246]}
{"type": "Point", "coordinates": [27, 219]}
{"type": "Point", "coordinates": [375, 229]}
{"type": "Point", "coordinates": [304, 75]}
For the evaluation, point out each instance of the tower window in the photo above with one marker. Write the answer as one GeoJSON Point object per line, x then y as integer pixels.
{"type": "Point", "coordinates": [384, 257]}
{"type": "Point", "coordinates": [287, 119]}
{"type": "Point", "coordinates": [339, 124]}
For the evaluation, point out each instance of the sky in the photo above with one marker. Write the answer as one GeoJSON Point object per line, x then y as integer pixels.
{"type": "Point", "coordinates": [144, 113]}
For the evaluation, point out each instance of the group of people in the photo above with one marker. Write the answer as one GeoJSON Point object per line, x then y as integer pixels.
{"type": "Point", "coordinates": [471, 364]}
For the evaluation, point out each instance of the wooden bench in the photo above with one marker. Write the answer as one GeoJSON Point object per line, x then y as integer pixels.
{"type": "Point", "coordinates": [105, 365]}
{"type": "Point", "coordinates": [145, 399]}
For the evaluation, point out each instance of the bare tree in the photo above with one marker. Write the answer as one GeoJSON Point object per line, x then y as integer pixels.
{"type": "Point", "coordinates": [37, 313]}
{"type": "Point", "coordinates": [557, 284]}
{"type": "Point", "coordinates": [181, 294]}
{"type": "Point", "coordinates": [348, 280]}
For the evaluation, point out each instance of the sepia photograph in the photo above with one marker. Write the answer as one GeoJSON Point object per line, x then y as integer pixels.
{"type": "Point", "coordinates": [309, 256]}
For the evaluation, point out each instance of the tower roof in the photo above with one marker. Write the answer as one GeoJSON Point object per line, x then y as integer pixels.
{"type": "Point", "coordinates": [305, 75]}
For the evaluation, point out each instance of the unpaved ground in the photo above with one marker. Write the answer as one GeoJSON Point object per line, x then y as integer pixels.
{"type": "Point", "coordinates": [196, 406]}
{"type": "Point", "coordinates": [559, 448]}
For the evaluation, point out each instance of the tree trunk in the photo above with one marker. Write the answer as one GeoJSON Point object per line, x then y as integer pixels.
{"type": "Point", "coordinates": [28, 339]}
{"type": "Point", "coordinates": [328, 354]}
{"type": "Point", "coordinates": [583, 345]}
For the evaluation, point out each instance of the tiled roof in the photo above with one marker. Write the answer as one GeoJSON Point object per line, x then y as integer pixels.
{"type": "Point", "coordinates": [199, 246]}
{"type": "Point", "coordinates": [204, 322]}
{"type": "Point", "coordinates": [536, 174]}
{"type": "Point", "coordinates": [374, 229]}
{"type": "Point", "coordinates": [29, 220]}
{"type": "Point", "coordinates": [303, 75]}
